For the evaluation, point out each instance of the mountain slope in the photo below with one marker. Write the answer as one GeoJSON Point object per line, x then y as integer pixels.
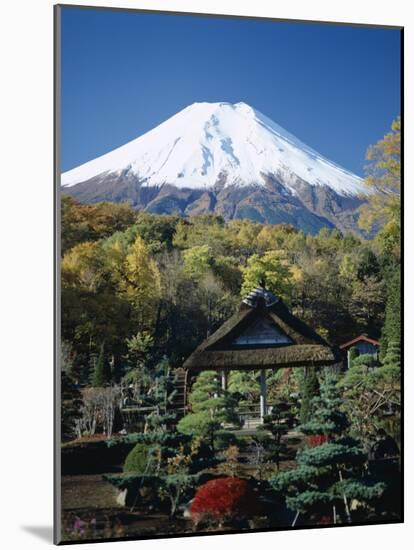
{"type": "Point", "coordinates": [223, 158]}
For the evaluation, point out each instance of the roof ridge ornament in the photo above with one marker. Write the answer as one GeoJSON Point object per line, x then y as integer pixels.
{"type": "Point", "coordinates": [260, 295]}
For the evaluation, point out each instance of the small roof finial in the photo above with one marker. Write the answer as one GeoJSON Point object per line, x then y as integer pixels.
{"type": "Point", "coordinates": [259, 296]}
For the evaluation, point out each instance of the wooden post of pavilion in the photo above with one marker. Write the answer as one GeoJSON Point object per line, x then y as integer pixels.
{"type": "Point", "coordinates": [263, 403]}
{"type": "Point", "coordinates": [224, 380]}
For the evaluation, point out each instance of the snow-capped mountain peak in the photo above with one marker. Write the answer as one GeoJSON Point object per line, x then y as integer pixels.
{"type": "Point", "coordinates": [207, 144]}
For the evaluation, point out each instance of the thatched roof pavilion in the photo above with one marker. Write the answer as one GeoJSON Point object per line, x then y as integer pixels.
{"type": "Point", "coordinates": [262, 334]}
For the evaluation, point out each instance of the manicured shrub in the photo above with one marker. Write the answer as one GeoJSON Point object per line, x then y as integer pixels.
{"type": "Point", "coordinates": [227, 499]}
{"type": "Point", "coordinates": [143, 459]}
{"type": "Point", "coordinates": [211, 407]}
{"type": "Point", "coordinates": [198, 424]}
{"type": "Point", "coordinates": [224, 439]}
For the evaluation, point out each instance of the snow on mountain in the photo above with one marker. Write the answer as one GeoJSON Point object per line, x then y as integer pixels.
{"type": "Point", "coordinates": [208, 143]}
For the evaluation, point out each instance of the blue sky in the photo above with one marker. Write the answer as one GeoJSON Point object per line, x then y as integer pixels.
{"type": "Point", "coordinates": [337, 88]}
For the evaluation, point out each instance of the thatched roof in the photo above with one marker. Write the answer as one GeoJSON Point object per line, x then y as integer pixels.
{"type": "Point", "coordinates": [263, 333]}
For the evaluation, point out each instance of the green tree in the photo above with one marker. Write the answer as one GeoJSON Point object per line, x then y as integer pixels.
{"type": "Point", "coordinates": [370, 392]}
{"type": "Point", "coordinates": [144, 459]}
{"type": "Point", "coordinates": [366, 304]}
{"type": "Point", "coordinates": [198, 261]}
{"type": "Point", "coordinates": [91, 222]}
{"type": "Point", "coordinates": [245, 384]}
{"type": "Point", "coordinates": [82, 267]}
{"type": "Point", "coordinates": [227, 270]}
{"type": "Point", "coordinates": [277, 424]}
{"type": "Point", "coordinates": [140, 282]}
{"type": "Point", "coordinates": [309, 389]}
{"type": "Point", "coordinates": [157, 231]}
{"type": "Point", "coordinates": [332, 473]}
{"type": "Point", "coordinates": [384, 177]}
{"type": "Point", "coordinates": [71, 396]}
{"type": "Point", "coordinates": [216, 303]}
{"type": "Point", "coordinates": [392, 325]}
{"type": "Point", "coordinates": [384, 183]}
{"type": "Point", "coordinates": [393, 356]}
{"type": "Point", "coordinates": [210, 408]}
{"type": "Point", "coordinates": [272, 269]}
{"type": "Point", "coordinates": [102, 371]}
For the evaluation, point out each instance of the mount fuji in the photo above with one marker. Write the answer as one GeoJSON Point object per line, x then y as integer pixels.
{"type": "Point", "coordinates": [227, 159]}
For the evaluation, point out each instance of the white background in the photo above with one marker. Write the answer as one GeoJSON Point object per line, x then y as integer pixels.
{"type": "Point", "coordinates": [26, 276]}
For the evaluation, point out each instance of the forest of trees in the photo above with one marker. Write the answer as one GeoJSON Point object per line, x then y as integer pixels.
{"type": "Point", "coordinates": [176, 280]}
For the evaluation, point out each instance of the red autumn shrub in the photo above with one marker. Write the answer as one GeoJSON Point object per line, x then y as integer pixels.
{"type": "Point", "coordinates": [316, 440]}
{"type": "Point", "coordinates": [224, 499]}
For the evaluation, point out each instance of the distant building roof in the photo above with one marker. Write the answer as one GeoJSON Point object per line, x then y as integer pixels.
{"type": "Point", "coordinates": [361, 338]}
{"type": "Point", "coordinates": [263, 333]}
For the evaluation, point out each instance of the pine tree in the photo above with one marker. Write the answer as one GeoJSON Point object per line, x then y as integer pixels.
{"type": "Point", "coordinates": [277, 424]}
{"type": "Point", "coordinates": [393, 355]}
{"type": "Point", "coordinates": [390, 372]}
{"type": "Point", "coordinates": [329, 474]}
{"type": "Point", "coordinates": [392, 325]}
{"type": "Point", "coordinates": [102, 371]}
{"type": "Point", "coordinates": [211, 406]}
{"type": "Point", "coordinates": [309, 389]}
